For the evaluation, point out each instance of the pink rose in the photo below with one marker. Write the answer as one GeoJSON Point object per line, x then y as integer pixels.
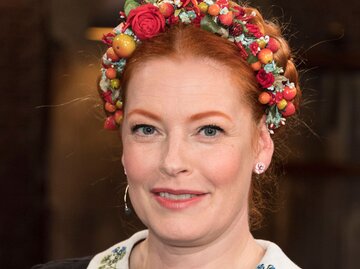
{"type": "Point", "coordinates": [265, 79]}
{"type": "Point", "coordinates": [146, 21]}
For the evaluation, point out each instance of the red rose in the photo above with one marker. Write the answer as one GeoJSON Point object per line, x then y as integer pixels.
{"type": "Point", "coordinates": [265, 79]}
{"type": "Point", "coordinates": [254, 47]}
{"type": "Point", "coordinates": [146, 21]}
{"type": "Point", "coordinates": [254, 30]}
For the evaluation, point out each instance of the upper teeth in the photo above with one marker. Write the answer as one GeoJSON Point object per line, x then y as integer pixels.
{"type": "Point", "coordinates": [176, 196]}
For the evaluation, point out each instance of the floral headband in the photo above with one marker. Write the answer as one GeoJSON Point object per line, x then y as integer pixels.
{"type": "Point", "coordinates": [222, 17]}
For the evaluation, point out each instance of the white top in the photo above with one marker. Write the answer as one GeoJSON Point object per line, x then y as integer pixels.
{"type": "Point", "coordinates": [118, 255]}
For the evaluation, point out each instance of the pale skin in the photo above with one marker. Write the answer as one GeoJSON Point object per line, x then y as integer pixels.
{"type": "Point", "coordinates": [187, 129]}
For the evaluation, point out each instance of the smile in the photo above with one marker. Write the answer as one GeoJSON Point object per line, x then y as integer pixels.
{"type": "Point", "coordinates": [177, 199]}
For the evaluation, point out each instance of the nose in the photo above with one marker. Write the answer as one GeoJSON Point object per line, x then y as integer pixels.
{"type": "Point", "coordinates": [175, 157]}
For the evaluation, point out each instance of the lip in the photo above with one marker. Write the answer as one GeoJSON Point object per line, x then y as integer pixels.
{"type": "Point", "coordinates": [178, 204]}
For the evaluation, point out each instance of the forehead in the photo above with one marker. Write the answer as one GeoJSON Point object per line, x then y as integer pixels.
{"type": "Point", "coordinates": [190, 83]}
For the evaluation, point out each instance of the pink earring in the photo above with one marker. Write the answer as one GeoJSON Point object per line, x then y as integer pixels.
{"type": "Point", "coordinates": [259, 168]}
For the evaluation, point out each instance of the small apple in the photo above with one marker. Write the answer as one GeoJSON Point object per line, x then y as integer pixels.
{"type": "Point", "coordinates": [110, 123]}
{"type": "Point", "coordinates": [264, 98]}
{"type": "Point", "coordinates": [214, 10]}
{"type": "Point", "coordinates": [119, 104]}
{"type": "Point", "coordinates": [289, 93]}
{"type": "Point", "coordinates": [118, 116]}
{"type": "Point", "coordinates": [281, 104]}
{"type": "Point", "coordinates": [203, 7]}
{"type": "Point", "coordinates": [166, 9]}
{"type": "Point", "coordinates": [226, 19]}
{"type": "Point", "coordinates": [289, 110]}
{"type": "Point", "coordinates": [123, 45]}
{"type": "Point", "coordinates": [273, 45]}
{"type": "Point", "coordinates": [265, 56]}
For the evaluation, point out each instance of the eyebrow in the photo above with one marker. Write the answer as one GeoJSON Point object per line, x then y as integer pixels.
{"type": "Point", "coordinates": [144, 113]}
{"type": "Point", "coordinates": [201, 115]}
{"type": "Point", "coordinates": [194, 117]}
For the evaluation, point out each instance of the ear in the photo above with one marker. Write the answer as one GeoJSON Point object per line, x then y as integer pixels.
{"type": "Point", "coordinates": [123, 162]}
{"type": "Point", "coordinates": [265, 145]}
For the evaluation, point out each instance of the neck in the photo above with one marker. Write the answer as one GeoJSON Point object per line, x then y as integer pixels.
{"type": "Point", "coordinates": [236, 248]}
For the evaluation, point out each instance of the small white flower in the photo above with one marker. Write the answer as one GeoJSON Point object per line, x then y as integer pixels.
{"type": "Point", "coordinates": [209, 2]}
{"type": "Point", "coordinates": [224, 10]}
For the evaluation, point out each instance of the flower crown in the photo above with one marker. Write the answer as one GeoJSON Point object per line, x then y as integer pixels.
{"type": "Point", "coordinates": [222, 17]}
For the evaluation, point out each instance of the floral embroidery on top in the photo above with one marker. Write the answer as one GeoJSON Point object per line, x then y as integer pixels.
{"type": "Point", "coordinates": [110, 260]}
{"type": "Point", "coordinates": [262, 266]}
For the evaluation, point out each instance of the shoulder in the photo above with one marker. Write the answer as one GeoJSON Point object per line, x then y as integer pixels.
{"type": "Point", "coordinates": [274, 257]}
{"type": "Point", "coordinates": [76, 263]}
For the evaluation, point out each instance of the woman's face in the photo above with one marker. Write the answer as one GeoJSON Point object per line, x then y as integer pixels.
{"type": "Point", "coordinates": [189, 149]}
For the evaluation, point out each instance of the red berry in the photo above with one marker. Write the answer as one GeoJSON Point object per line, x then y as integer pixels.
{"type": "Point", "coordinates": [264, 98]}
{"type": "Point", "coordinates": [256, 66]}
{"type": "Point", "coordinates": [289, 110]}
{"type": "Point", "coordinates": [289, 93]}
{"type": "Point", "coordinates": [110, 73]}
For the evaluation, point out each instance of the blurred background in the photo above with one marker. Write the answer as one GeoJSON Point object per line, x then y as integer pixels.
{"type": "Point", "coordinates": [61, 178]}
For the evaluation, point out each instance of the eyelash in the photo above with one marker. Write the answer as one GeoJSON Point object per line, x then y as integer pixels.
{"type": "Point", "coordinates": [213, 127]}
{"type": "Point", "coordinates": [136, 128]}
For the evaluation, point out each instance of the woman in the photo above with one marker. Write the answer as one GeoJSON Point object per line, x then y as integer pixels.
{"type": "Point", "coordinates": [198, 90]}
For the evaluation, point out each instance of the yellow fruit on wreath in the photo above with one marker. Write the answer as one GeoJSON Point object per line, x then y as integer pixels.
{"type": "Point", "coordinates": [123, 45]}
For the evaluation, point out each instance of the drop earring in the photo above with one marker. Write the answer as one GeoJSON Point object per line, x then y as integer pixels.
{"type": "Point", "coordinates": [127, 209]}
{"type": "Point", "coordinates": [259, 168]}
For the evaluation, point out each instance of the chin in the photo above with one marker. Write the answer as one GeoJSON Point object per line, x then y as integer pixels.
{"type": "Point", "coordinates": [181, 231]}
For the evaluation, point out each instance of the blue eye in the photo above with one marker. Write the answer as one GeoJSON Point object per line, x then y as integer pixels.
{"type": "Point", "coordinates": [143, 129]}
{"type": "Point", "coordinates": [211, 130]}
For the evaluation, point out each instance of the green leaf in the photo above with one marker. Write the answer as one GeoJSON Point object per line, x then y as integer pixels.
{"type": "Point", "coordinates": [252, 59]}
{"type": "Point", "coordinates": [130, 5]}
{"type": "Point", "coordinates": [209, 25]}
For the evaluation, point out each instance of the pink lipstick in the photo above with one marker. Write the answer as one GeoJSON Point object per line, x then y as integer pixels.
{"type": "Point", "coordinates": [177, 199]}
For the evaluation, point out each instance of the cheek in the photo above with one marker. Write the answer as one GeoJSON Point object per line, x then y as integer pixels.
{"type": "Point", "coordinates": [231, 165]}
{"type": "Point", "coordinates": [139, 162]}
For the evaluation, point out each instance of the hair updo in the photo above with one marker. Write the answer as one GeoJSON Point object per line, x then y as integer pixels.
{"type": "Point", "coordinates": [181, 41]}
